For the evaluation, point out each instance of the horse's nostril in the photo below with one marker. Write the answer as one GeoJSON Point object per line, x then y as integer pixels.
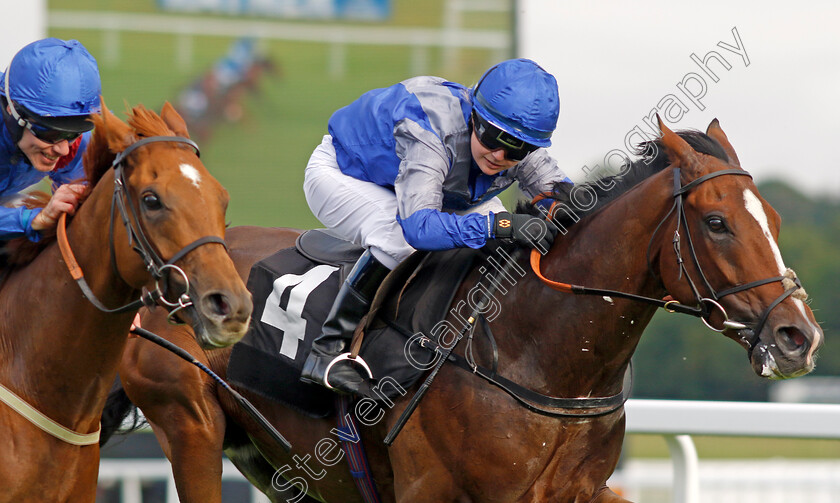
{"type": "Point", "coordinates": [218, 305]}
{"type": "Point", "coordinates": [792, 337]}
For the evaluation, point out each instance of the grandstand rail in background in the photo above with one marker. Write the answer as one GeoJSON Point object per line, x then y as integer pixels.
{"type": "Point", "coordinates": [131, 474]}
{"type": "Point", "coordinates": [682, 480]}
{"type": "Point", "coordinates": [336, 35]}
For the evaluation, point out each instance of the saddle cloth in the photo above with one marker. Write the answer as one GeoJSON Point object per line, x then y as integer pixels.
{"type": "Point", "coordinates": [293, 292]}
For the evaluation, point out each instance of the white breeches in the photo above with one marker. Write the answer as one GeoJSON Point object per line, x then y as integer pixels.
{"type": "Point", "coordinates": [361, 212]}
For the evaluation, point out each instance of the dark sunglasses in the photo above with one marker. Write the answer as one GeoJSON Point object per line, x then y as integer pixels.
{"type": "Point", "coordinates": [50, 135]}
{"type": "Point", "coordinates": [493, 138]}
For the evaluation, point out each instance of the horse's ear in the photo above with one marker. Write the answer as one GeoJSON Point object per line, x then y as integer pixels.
{"type": "Point", "coordinates": [174, 120]}
{"type": "Point", "coordinates": [714, 131]}
{"type": "Point", "coordinates": [117, 134]}
{"type": "Point", "coordinates": [678, 150]}
{"type": "Point", "coordinates": [110, 136]}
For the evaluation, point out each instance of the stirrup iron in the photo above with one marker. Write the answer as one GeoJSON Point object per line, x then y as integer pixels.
{"type": "Point", "coordinates": [345, 356]}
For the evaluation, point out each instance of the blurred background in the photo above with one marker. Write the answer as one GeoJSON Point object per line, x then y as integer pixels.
{"type": "Point", "coordinates": [257, 81]}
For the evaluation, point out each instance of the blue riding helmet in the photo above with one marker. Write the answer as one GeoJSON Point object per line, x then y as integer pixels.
{"type": "Point", "coordinates": [521, 98]}
{"type": "Point", "coordinates": [53, 84]}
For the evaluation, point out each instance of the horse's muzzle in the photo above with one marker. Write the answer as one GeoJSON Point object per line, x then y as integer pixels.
{"type": "Point", "coordinates": [789, 352]}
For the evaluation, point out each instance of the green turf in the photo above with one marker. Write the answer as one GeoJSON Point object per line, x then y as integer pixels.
{"type": "Point", "coordinates": [654, 446]}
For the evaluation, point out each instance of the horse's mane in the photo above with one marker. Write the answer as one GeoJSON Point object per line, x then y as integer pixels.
{"type": "Point", "coordinates": [652, 159]}
{"type": "Point", "coordinates": [108, 132]}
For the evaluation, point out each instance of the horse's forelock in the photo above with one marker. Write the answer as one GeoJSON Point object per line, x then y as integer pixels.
{"type": "Point", "coordinates": [147, 123]}
{"type": "Point", "coordinates": [111, 135]}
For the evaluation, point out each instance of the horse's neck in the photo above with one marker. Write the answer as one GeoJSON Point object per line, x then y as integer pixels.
{"type": "Point", "coordinates": [60, 351]}
{"type": "Point", "coordinates": [593, 337]}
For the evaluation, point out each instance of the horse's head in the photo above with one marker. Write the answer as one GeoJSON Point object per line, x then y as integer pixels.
{"type": "Point", "coordinates": [168, 221]}
{"type": "Point", "coordinates": [718, 248]}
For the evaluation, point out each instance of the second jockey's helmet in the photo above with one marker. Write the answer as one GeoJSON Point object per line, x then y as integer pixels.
{"type": "Point", "coordinates": [521, 98]}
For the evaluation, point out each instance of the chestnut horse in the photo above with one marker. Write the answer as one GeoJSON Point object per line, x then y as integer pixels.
{"type": "Point", "coordinates": [468, 440]}
{"type": "Point", "coordinates": [154, 220]}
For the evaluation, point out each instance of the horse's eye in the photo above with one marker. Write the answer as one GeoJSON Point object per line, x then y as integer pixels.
{"type": "Point", "coordinates": [716, 224]}
{"type": "Point", "coordinates": [151, 201]}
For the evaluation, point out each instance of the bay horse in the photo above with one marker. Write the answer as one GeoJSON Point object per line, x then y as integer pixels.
{"type": "Point", "coordinates": [152, 226]}
{"type": "Point", "coordinates": [711, 244]}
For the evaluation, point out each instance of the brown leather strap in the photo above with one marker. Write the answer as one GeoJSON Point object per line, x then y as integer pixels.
{"type": "Point", "coordinates": [66, 252]}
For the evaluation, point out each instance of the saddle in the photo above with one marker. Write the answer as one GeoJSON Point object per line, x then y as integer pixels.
{"type": "Point", "coordinates": [293, 291]}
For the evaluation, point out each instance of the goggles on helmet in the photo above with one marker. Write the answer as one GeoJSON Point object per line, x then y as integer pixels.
{"type": "Point", "coordinates": [494, 138]}
{"type": "Point", "coordinates": [48, 134]}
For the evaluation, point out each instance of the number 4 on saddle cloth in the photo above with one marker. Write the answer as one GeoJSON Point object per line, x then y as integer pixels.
{"type": "Point", "coordinates": [293, 291]}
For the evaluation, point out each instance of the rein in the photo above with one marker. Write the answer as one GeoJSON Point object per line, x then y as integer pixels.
{"type": "Point", "coordinates": [707, 304]}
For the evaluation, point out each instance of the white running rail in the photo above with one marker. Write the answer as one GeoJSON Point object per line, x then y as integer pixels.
{"type": "Point", "coordinates": [676, 420]}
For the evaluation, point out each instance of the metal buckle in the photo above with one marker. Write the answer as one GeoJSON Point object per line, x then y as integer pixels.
{"type": "Point", "coordinates": [665, 307]}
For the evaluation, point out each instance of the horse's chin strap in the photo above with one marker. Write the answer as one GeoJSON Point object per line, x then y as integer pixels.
{"type": "Point", "coordinates": [707, 305]}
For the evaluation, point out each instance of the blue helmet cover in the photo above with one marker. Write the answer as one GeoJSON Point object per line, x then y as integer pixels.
{"type": "Point", "coordinates": [521, 98]}
{"type": "Point", "coordinates": [54, 78]}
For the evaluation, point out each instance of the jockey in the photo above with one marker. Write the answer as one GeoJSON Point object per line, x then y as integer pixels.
{"type": "Point", "coordinates": [418, 166]}
{"type": "Point", "coordinates": [47, 92]}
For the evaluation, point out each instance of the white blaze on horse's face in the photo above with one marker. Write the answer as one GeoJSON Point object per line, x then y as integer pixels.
{"type": "Point", "coordinates": [755, 208]}
{"type": "Point", "coordinates": [191, 173]}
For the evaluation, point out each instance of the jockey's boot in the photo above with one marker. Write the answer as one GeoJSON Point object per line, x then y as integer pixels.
{"type": "Point", "coordinates": [329, 364]}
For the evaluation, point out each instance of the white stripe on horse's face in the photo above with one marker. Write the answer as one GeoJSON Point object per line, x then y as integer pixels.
{"type": "Point", "coordinates": [754, 207]}
{"type": "Point", "coordinates": [191, 173]}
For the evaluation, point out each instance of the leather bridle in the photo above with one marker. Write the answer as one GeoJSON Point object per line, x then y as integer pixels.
{"type": "Point", "coordinates": [159, 268]}
{"type": "Point", "coordinates": [707, 305]}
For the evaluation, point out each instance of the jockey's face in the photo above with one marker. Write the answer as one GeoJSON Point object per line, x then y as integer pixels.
{"type": "Point", "coordinates": [43, 156]}
{"type": "Point", "coordinates": [489, 161]}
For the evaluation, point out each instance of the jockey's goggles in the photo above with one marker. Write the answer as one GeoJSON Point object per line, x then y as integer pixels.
{"type": "Point", "coordinates": [50, 135]}
{"type": "Point", "coordinates": [493, 138]}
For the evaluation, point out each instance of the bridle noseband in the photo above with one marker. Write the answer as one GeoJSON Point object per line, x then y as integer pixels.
{"type": "Point", "coordinates": [157, 267]}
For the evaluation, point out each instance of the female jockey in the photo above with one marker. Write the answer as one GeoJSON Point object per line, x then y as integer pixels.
{"type": "Point", "coordinates": [47, 93]}
{"type": "Point", "coordinates": [418, 166]}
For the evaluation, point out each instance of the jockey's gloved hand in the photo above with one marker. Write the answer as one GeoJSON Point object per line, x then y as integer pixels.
{"type": "Point", "coordinates": [524, 229]}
